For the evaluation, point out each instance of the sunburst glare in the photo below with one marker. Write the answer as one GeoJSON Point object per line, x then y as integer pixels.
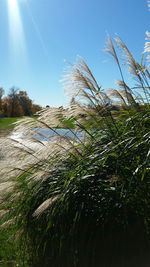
{"type": "Point", "coordinates": [16, 32]}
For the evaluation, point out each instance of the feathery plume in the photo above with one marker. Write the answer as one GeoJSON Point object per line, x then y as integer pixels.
{"type": "Point", "coordinates": [147, 45]}
{"type": "Point", "coordinates": [44, 206]}
{"type": "Point", "coordinates": [110, 48]}
{"type": "Point", "coordinates": [133, 65]}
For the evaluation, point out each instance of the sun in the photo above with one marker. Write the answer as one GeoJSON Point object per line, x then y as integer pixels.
{"type": "Point", "coordinates": [12, 4]}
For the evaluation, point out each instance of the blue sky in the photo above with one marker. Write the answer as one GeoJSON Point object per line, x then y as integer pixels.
{"type": "Point", "coordinates": [52, 31]}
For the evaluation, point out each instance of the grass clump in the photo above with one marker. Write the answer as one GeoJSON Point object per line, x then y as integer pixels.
{"type": "Point", "coordinates": [86, 201]}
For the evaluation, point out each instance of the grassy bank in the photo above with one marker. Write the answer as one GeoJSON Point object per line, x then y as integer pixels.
{"type": "Point", "coordinates": [7, 123]}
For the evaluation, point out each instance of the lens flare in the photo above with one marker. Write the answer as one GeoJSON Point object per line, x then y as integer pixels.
{"type": "Point", "coordinates": [36, 28]}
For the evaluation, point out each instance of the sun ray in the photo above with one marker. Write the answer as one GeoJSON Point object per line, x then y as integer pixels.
{"type": "Point", "coordinates": [36, 28]}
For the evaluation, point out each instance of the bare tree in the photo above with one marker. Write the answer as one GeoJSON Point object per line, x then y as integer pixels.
{"type": "Point", "coordinates": [1, 95]}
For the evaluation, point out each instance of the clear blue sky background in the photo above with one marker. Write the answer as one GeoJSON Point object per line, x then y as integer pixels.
{"type": "Point", "coordinates": [63, 30]}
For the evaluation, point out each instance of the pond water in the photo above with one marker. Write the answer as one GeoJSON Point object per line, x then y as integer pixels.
{"type": "Point", "coordinates": [45, 134]}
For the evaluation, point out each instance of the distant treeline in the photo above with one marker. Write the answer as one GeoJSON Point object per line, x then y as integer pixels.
{"type": "Point", "coordinates": [17, 103]}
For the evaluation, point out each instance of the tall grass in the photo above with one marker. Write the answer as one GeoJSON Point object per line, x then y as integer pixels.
{"type": "Point", "coordinates": [84, 202]}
